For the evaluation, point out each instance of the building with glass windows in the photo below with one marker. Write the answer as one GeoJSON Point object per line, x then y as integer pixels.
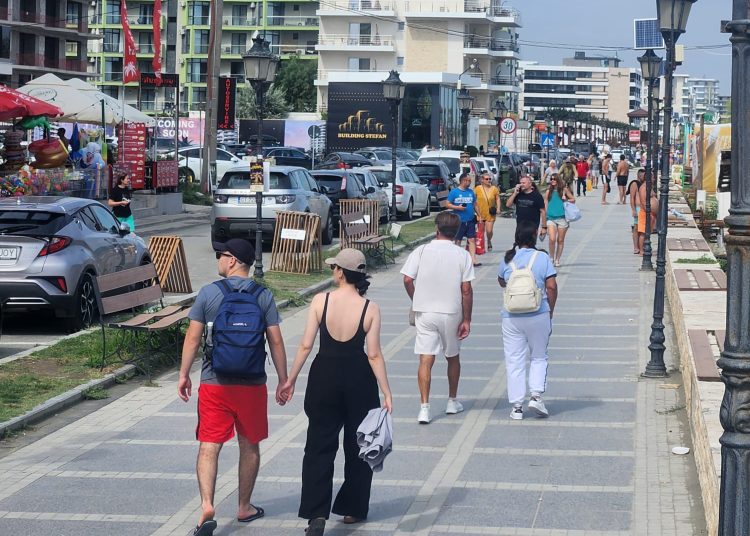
{"type": "Point", "coordinates": [291, 27]}
{"type": "Point", "coordinates": [38, 37]}
{"type": "Point", "coordinates": [432, 43]}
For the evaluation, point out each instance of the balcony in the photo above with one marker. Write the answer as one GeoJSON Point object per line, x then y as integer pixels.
{"type": "Point", "coordinates": [112, 48]}
{"type": "Point", "coordinates": [476, 10]}
{"type": "Point", "coordinates": [113, 76]}
{"type": "Point", "coordinates": [353, 43]}
{"type": "Point", "coordinates": [302, 51]}
{"type": "Point", "coordinates": [311, 21]}
{"type": "Point", "coordinates": [344, 8]}
{"type": "Point", "coordinates": [144, 48]}
{"type": "Point", "coordinates": [239, 22]}
{"type": "Point", "coordinates": [505, 48]}
{"type": "Point", "coordinates": [198, 21]}
{"type": "Point", "coordinates": [234, 50]}
{"type": "Point", "coordinates": [497, 82]}
{"type": "Point", "coordinates": [349, 75]}
{"type": "Point", "coordinates": [144, 20]}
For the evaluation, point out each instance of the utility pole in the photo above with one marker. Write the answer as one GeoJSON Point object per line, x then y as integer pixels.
{"type": "Point", "coordinates": [212, 77]}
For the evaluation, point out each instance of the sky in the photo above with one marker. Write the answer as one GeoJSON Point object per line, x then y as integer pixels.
{"type": "Point", "coordinates": [610, 23]}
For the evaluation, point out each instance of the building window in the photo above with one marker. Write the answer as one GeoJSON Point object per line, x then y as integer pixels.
{"type": "Point", "coordinates": [113, 13]}
{"type": "Point", "coordinates": [111, 41]}
{"type": "Point", "coordinates": [145, 43]}
{"type": "Point", "coordinates": [144, 66]}
{"type": "Point", "coordinates": [5, 42]}
{"type": "Point", "coordinates": [73, 49]}
{"type": "Point", "coordinates": [399, 60]}
{"type": "Point", "coordinates": [200, 41]}
{"type": "Point", "coordinates": [199, 95]}
{"type": "Point", "coordinates": [146, 14]}
{"type": "Point", "coordinates": [73, 14]}
{"type": "Point", "coordinates": [113, 70]}
{"type": "Point", "coordinates": [197, 71]}
{"type": "Point", "coordinates": [199, 13]}
{"type": "Point", "coordinates": [112, 91]}
{"type": "Point", "coordinates": [361, 64]}
{"type": "Point", "coordinates": [148, 99]}
{"type": "Point", "coordinates": [401, 26]}
{"type": "Point", "coordinates": [239, 45]}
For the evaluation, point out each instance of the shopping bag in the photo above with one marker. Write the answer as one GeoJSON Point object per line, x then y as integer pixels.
{"type": "Point", "coordinates": [480, 238]}
{"type": "Point", "coordinates": [572, 212]}
{"type": "Point", "coordinates": [589, 185]}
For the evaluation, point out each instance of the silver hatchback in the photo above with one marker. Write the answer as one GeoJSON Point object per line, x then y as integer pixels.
{"type": "Point", "coordinates": [52, 248]}
{"type": "Point", "coordinates": [291, 189]}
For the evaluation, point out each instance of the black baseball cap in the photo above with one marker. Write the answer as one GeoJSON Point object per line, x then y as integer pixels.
{"type": "Point", "coordinates": [239, 248]}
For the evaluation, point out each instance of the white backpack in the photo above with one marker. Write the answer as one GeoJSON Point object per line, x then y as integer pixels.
{"type": "Point", "coordinates": [522, 295]}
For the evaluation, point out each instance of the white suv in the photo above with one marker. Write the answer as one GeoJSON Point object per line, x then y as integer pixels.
{"type": "Point", "coordinates": [191, 164]}
{"type": "Point", "coordinates": [411, 194]}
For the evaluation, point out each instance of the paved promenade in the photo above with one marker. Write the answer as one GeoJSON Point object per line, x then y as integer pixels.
{"type": "Point", "coordinates": [600, 465]}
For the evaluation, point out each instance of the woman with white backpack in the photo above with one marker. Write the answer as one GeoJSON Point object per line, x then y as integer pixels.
{"type": "Point", "coordinates": [529, 279]}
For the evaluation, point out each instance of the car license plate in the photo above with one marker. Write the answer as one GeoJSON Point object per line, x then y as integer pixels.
{"type": "Point", "coordinates": [8, 254]}
{"type": "Point", "coordinates": [246, 200]}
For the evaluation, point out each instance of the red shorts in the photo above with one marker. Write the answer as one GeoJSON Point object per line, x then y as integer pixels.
{"type": "Point", "coordinates": [222, 408]}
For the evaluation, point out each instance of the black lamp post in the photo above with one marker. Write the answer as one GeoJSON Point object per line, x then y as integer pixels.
{"type": "Point", "coordinates": [673, 16]}
{"type": "Point", "coordinates": [734, 494]}
{"type": "Point", "coordinates": [465, 103]}
{"type": "Point", "coordinates": [393, 91]}
{"type": "Point", "coordinates": [260, 71]}
{"type": "Point", "coordinates": [499, 109]}
{"type": "Point", "coordinates": [650, 64]}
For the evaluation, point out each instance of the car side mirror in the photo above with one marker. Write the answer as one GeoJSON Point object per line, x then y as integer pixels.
{"type": "Point", "coordinates": [370, 190]}
{"type": "Point", "coordinates": [124, 229]}
{"type": "Point", "coordinates": [325, 190]}
{"type": "Point", "coordinates": [453, 175]}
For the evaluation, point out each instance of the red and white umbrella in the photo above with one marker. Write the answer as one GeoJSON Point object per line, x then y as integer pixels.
{"type": "Point", "coordinates": [14, 104]}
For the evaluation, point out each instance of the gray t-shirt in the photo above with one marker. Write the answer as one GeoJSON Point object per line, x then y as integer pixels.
{"type": "Point", "coordinates": [205, 309]}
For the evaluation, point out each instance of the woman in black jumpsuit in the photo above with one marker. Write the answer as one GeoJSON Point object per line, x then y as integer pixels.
{"type": "Point", "coordinates": [342, 387]}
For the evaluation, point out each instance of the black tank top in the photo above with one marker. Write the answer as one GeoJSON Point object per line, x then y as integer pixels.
{"type": "Point", "coordinates": [334, 348]}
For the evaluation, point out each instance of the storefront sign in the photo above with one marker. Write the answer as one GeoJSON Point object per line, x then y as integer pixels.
{"type": "Point", "coordinates": [166, 80]}
{"type": "Point", "coordinates": [165, 173]}
{"type": "Point", "coordinates": [634, 136]}
{"type": "Point", "coordinates": [227, 91]}
{"type": "Point", "coordinates": [131, 153]}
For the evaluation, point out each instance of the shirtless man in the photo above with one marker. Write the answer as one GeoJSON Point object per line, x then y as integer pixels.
{"type": "Point", "coordinates": [622, 172]}
{"type": "Point", "coordinates": [635, 207]}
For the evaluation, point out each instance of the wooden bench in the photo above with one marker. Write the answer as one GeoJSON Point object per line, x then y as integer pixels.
{"type": "Point", "coordinates": [698, 279]}
{"type": "Point", "coordinates": [687, 244]}
{"type": "Point", "coordinates": [704, 356]}
{"type": "Point", "coordinates": [356, 232]}
{"type": "Point", "coordinates": [120, 296]}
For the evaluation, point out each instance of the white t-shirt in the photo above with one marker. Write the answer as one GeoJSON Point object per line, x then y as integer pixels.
{"type": "Point", "coordinates": [438, 269]}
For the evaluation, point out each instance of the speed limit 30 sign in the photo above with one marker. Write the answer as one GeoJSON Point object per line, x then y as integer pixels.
{"type": "Point", "coordinates": [508, 125]}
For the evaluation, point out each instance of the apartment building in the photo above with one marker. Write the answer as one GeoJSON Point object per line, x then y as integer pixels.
{"type": "Point", "coordinates": [705, 94]}
{"type": "Point", "coordinates": [291, 28]}
{"type": "Point", "coordinates": [608, 92]}
{"type": "Point", "coordinates": [431, 43]}
{"type": "Point", "coordinates": [724, 103]}
{"type": "Point", "coordinates": [43, 36]}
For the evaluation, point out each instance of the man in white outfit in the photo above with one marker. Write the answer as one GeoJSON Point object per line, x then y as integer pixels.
{"type": "Point", "coordinates": [437, 277]}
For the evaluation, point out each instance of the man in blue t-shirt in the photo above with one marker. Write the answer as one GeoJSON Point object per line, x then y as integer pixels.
{"type": "Point", "coordinates": [462, 201]}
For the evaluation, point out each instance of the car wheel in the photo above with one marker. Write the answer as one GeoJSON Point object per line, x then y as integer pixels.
{"type": "Point", "coordinates": [426, 211]}
{"type": "Point", "coordinates": [409, 214]}
{"type": "Point", "coordinates": [85, 310]}
{"type": "Point", "coordinates": [328, 230]}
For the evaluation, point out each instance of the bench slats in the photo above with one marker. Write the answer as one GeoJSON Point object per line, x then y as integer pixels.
{"type": "Point", "coordinates": [720, 336]}
{"type": "Point", "coordinates": [122, 302]}
{"type": "Point", "coordinates": [703, 356]}
{"type": "Point", "coordinates": [145, 318]}
{"type": "Point", "coordinates": [124, 278]}
{"type": "Point", "coordinates": [704, 279]}
{"type": "Point", "coordinates": [683, 280]}
{"type": "Point", "coordinates": [687, 244]}
{"type": "Point", "coordinates": [352, 217]}
{"type": "Point", "coordinates": [356, 229]}
{"type": "Point", "coordinates": [168, 321]}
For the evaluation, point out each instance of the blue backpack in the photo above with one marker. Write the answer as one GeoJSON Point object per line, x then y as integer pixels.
{"type": "Point", "coordinates": [239, 333]}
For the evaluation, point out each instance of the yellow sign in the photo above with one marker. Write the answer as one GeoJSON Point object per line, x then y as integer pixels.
{"type": "Point", "coordinates": [361, 126]}
{"type": "Point", "coordinates": [716, 138]}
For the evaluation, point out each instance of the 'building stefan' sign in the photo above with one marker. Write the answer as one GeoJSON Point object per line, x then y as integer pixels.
{"type": "Point", "coordinates": [358, 116]}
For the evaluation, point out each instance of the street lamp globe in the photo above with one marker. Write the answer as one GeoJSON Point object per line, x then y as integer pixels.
{"type": "Point", "coordinates": [393, 88]}
{"type": "Point", "coordinates": [650, 65]}
{"type": "Point", "coordinates": [673, 17]}
{"type": "Point", "coordinates": [260, 63]}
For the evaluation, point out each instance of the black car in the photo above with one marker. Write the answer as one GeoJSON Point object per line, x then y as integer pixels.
{"type": "Point", "coordinates": [268, 141]}
{"type": "Point", "coordinates": [288, 156]}
{"type": "Point", "coordinates": [510, 166]}
{"type": "Point", "coordinates": [238, 149]}
{"type": "Point", "coordinates": [339, 184]}
{"type": "Point", "coordinates": [343, 161]}
{"type": "Point", "coordinates": [435, 175]}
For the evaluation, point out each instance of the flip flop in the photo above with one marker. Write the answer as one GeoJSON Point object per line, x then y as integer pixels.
{"type": "Point", "coordinates": [257, 515]}
{"type": "Point", "coordinates": [206, 529]}
{"type": "Point", "coordinates": [477, 264]}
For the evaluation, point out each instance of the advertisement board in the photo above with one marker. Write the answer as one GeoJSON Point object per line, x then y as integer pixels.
{"type": "Point", "coordinates": [634, 136]}
{"type": "Point", "coordinates": [225, 119]}
{"type": "Point", "coordinates": [358, 116]}
{"type": "Point", "coordinates": [190, 129]}
{"type": "Point", "coordinates": [131, 153]}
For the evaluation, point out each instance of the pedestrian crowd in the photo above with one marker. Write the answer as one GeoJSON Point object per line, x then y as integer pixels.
{"type": "Point", "coordinates": [234, 319]}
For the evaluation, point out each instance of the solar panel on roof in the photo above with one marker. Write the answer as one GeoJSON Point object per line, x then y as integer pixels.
{"type": "Point", "coordinates": [647, 34]}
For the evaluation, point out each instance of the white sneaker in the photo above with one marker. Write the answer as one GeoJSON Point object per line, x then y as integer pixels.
{"type": "Point", "coordinates": [517, 413]}
{"type": "Point", "coordinates": [538, 406]}
{"type": "Point", "coordinates": [424, 414]}
{"type": "Point", "coordinates": [453, 407]}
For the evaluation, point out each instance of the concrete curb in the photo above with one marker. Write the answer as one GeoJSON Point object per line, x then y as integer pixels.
{"type": "Point", "coordinates": [75, 395]}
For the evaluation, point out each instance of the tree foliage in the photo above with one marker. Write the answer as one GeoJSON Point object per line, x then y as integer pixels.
{"type": "Point", "coordinates": [297, 78]}
{"type": "Point", "coordinates": [561, 114]}
{"type": "Point", "coordinates": [275, 105]}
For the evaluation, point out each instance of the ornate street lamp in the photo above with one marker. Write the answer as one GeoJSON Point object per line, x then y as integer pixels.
{"type": "Point", "coordinates": [500, 110]}
{"type": "Point", "coordinates": [650, 64]}
{"type": "Point", "coordinates": [734, 495]}
{"type": "Point", "coordinates": [260, 71]}
{"type": "Point", "coordinates": [393, 91]}
{"type": "Point", "coordinates": [465, 103]}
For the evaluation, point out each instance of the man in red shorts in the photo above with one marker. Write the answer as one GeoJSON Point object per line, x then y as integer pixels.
{"type": "Point", "coordinates": [226, 403]}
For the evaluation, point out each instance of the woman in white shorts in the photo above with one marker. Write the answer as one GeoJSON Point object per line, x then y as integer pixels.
{"type": "Point", "coordinates": [557, 225]}
{"type": "Point", "coordinates": [528, 333]}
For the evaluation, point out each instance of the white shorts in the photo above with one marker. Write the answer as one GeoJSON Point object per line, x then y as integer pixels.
{"type": "Point", "coordinates": [560, 223]}
{"type": "Point", "coordinates": [437, 333]}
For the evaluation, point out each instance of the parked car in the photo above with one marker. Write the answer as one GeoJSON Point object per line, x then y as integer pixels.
{"type": "Point", "coordinates": [510, 165]}
{"type": "Point", "coordinates": [288, 156]}
{"type": "Point", "coordinates": [343, 161]}
{"type": "Point", "coordinates": [240, 150]}
{"type": "Point", "coordinates": [52, 248]}
{"type": "Point", "coordinates": [377, 157]}
{"type": "Point", "coordinates": [616, 153]}
{"type": "Point", "coordinates": [162, 145]}
{"type": "Point", "coordinates": [452, 159]}
{"type": "Point", "coordinates": [435, 175]}
{"type": "Point", "coordinates": [268, 141]}
{"type": "Point", "coordinates": [339, 184]}
{"type": "Point", "coordinates": [374, 190]}
{"type": "Point", "coordinates": [491, 164]}
{"type": "Point", "coordinates": [411, 194]}
{"type": "Point", "coordinates": [531, 165]}
{"type": "Point", "coordinates": [291, 188]}
{"type": "Point", "coordinates": [191, 164]}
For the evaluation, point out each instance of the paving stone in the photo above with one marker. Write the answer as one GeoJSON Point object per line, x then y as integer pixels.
{"type": "Point", "coordinates": [584, 511]}
{"type": "Point", "coordinates": [550, 436]}
{"type": "Point", "coordinates": [489, 508]}
{"type": "Point", "coordinates": [35, 527]}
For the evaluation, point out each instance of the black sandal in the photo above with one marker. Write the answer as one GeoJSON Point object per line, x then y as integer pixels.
{"type": "Point", "coordinates": [316, 527]}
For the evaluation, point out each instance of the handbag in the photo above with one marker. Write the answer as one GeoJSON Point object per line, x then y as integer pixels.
{"type": "Point", "coordinates": [492, 210]}
{"type": "Point", "coordinates": [572, 212]}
